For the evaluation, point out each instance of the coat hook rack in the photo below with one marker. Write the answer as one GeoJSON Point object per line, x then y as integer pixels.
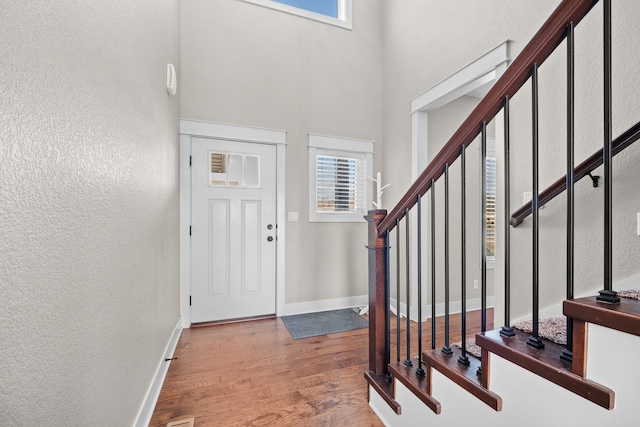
{"type": "Point", "coordinates": [379, 188]}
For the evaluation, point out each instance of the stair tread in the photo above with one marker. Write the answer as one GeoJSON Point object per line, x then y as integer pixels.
{"type": "Point", "coordinates": [624, 316]}
{"type": "Point", "coordinates": [546, 363]}
{"type": "Point", "coordinates": [384, 389]}
{"type": "Point", "coordinates": [419, 386]}
{"type": "Point", "coordinates": [463, 375]}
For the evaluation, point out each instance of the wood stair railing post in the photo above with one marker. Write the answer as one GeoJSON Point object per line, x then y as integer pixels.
{"type": "Point", "coordinates": [379, 298]}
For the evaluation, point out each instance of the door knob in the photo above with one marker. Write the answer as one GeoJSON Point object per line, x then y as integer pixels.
{"type": "Point", "coordinates": [269, 227]}
{"type": "Point", "coordinates": [270, 239]}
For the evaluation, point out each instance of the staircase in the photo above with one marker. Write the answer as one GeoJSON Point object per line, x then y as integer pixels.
{"type": "Point", "coordinates": [521, 379]}
{"type": "Point", "coordinates": [527, 399]}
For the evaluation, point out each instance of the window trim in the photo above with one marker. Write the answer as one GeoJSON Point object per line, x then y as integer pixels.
{"type": "Point", "coordinates": [344, 19]}
{"type": "Point", "coordinates": [331, 145]}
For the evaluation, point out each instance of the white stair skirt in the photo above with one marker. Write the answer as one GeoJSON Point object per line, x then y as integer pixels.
{"type": "Point", "coordinates": [529, 400]}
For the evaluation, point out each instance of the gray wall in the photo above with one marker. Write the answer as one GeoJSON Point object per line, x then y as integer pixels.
{"type": "Point", "coordinates": [425, 41]}
{"type": "Point", "coordinates": [249, 65]}
{"type": "Point", "coordinates": [443, 122]}
{"type": "Point", "coordinates": [89, 212]}
{"type": "Point", "coordinates": [589, 137]}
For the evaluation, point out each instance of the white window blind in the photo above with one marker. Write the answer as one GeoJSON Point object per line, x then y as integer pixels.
{"type": "Point", "coordinates": [490, 226]}
{"type": "Point", "coordinates": [339, 184]}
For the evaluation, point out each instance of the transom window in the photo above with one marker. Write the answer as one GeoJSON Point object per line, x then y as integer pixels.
{"type": "Point", "coordinates": [334, 12]}
{"type": "Point", "coordinates": [325, 7]}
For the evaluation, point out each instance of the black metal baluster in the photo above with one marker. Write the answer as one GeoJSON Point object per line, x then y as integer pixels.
{"type": "Point", "coordinates": [483, 234]}
{"type": "Point", "coordinates": [420, 372]}
{"type": "Point", "coordinates": [446, 349]}
{"type": "Point", "coordinates": [534, 340]}
{"type": "Point", "coordinates": [463, 359]}
{"type": "Point", "coordinates": [387, 305]}
{"type": "Point", "coordinates": [608, 294]}
{"type": "Point", "coordinates": [507, 330]}
{"type": "Point", "coordinates": [567, 353]}
{"type": "Point", "coordinates": [408, 362]}
{"type": "Point", "coordinates": [483, 273]}
{"type": "Point", "coordinates": [433, 264]}
{"type": "Point", "coordinates": [398, 298]}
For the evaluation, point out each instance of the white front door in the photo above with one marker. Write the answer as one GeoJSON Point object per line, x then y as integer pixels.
{"type": "Point", "coordinates": [233, 235]}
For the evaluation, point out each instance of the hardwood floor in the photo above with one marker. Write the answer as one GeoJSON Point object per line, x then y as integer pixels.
{"type": "Point", "coordinates": [254, 374]}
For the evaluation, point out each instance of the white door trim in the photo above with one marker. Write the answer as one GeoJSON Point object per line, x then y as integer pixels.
{"type": "Point", "coordinates": [196, 128]}
{"type": "Point", "coordinates": [483, 70]}
{"type": "Point", "coordinates": [474, 78]}
{"type": "Point", "coordinates": [481, 73]}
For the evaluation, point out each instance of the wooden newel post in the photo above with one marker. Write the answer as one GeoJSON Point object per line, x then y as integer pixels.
{"type": "Point", "coordinates": [379, 295]}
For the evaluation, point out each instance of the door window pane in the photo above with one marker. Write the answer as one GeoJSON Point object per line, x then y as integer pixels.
{"type": "Point", "coordinates": [235, 168]}
{"type": "Point", "coordinates": [218, 175]}
{"type": "Point", "coordinates": [252, 171]}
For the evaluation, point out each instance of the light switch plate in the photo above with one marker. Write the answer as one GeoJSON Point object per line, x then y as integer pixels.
{"type": "Point", "coordinates": [293, 216]}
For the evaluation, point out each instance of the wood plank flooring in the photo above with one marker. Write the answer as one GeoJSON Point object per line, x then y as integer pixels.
{"type": "Point", "coordinates": [254, 374]}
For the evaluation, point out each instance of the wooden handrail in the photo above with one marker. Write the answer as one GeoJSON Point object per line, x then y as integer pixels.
{"type": "Point", "coordinates": [545, 41]}
{"type": "Point", "coordinates": [630, 136]}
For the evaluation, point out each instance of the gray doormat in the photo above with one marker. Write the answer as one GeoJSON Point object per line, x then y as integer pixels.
{"type": "Point", "coordinates": [324, 322]}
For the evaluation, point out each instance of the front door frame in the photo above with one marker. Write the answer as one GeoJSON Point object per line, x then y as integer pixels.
{"type": "Point", "coordinates": [202, 129]}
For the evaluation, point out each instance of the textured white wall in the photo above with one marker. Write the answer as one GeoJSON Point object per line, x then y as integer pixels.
{"type": "Point", "coordinates": [249, 65]}
{"type": "Point", "coordinates": [589, 138]}
{"type": "Point", "coordinates": [89, 207]}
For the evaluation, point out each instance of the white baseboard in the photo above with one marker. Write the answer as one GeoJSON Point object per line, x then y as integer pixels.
{"type": "Point", "coordinates": [455, 307]}
{"type": "Point", "coordinates": [325, 305]}
{"type": "Point", "coordinates": [146, 411]}
{"type": "Point", "coordinates": [362, 300]}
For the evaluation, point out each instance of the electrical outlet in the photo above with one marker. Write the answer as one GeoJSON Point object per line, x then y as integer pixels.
{"type": "Point", "coordinates": [475, 284]}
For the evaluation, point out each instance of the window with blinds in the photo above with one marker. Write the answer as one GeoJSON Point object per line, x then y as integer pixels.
{"type": "Point", "coordinates": [490, 225]}
{"type": "Point", "coordinates": [339, 171]}
{"type": "Point", "coordinates": [339, 184]}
